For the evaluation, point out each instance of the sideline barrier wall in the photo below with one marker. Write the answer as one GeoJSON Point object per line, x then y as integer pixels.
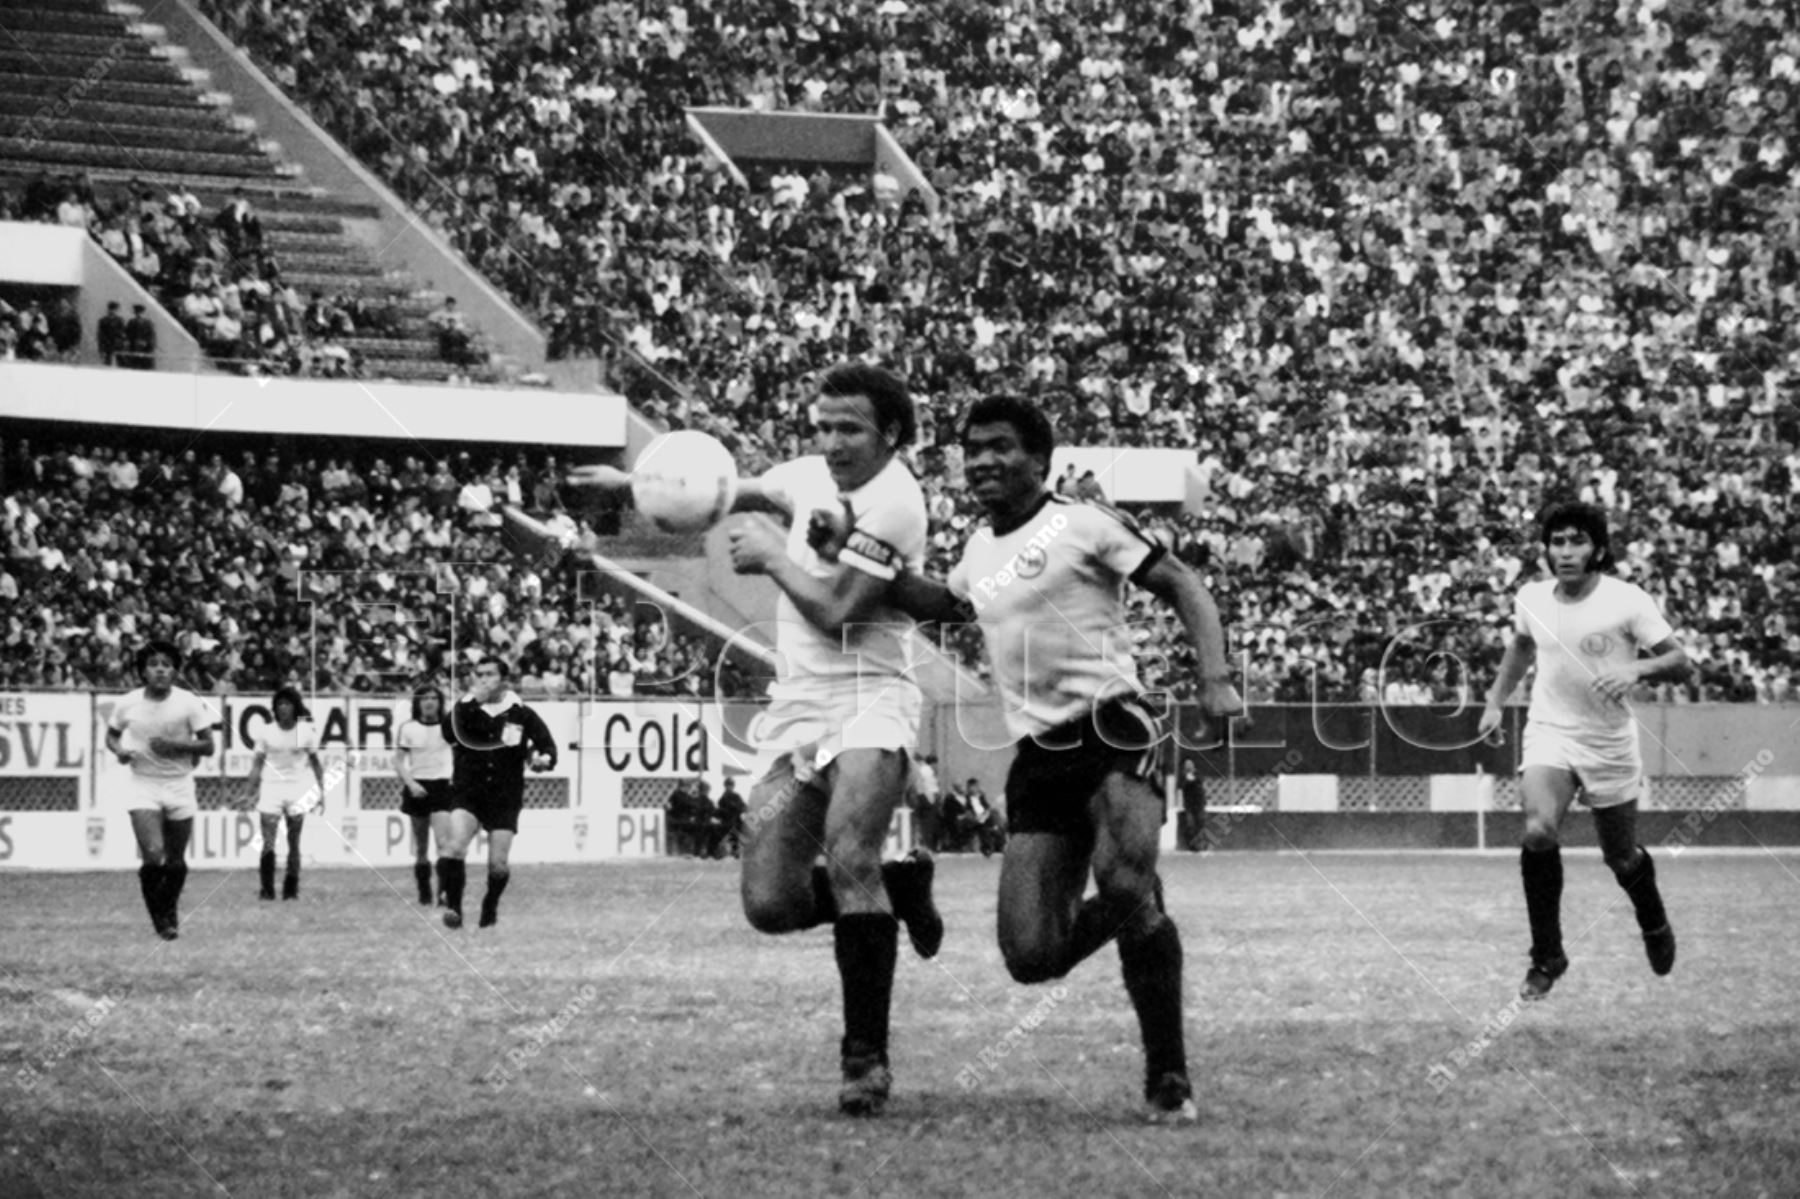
{"type": "Point", "coordinates": [1346, 776]}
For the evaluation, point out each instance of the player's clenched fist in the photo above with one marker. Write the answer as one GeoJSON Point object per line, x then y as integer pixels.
{"type": "Point", "coordinates": [755, 543]}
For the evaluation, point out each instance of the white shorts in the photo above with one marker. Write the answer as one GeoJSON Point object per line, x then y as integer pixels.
{"type": "Point", "coordinates": [173, 797]}
{"type": "Point", "coordinates": [809, 722]}
{"type": "Point", "coordinates": [287, 797]}
{"type": "Point", "coordinates": [1609, 768]}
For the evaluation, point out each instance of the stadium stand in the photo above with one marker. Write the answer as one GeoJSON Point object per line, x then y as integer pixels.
{"type": "Point", "coordinates": [1394, 276]}
{"type": "Point", "coordinates": [100, 127]}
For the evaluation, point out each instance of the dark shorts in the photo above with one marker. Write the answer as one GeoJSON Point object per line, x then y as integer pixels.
{"type": "Point", "coordinates": [1056, 774]}
{"type": "Point", "coordinates": [493, 817]}
{"type": "Point", "coordinates": [437, 798]}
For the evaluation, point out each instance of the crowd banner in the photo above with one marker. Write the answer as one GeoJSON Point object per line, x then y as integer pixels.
{"type": "Point", "coordinates": [1291, 776]}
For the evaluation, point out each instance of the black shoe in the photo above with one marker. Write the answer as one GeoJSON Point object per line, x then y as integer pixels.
{"type": "Point", "coordinates": [1659, 947]}
{"type": "Point", "coordinates": [1542, 976]}
{"type": "Point", "coordinates": [909, 890]}
{"type": "Point", "coordinates": [1169, 1099]}
{"type": "Point", "coordinates": [265, 893]}
{"type": "Point", "coordinates": [867, 1081]}
{"type": "Point", "coordinates": [452, 918]}
{"type": "Point", "coordinates": [490, 914]}
{"type": "Point", "coordinates": [290, 887]}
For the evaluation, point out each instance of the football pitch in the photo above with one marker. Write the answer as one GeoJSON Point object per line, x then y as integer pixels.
{"type": "Point", "coordinates": [1352, 1031]}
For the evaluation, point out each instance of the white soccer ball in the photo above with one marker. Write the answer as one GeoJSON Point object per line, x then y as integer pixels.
{"type": "Point", "coordinates": [684, 482]}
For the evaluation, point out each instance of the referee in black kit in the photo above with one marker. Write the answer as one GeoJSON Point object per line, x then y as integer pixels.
{"type": "Point", "coordinates": [493, 737]}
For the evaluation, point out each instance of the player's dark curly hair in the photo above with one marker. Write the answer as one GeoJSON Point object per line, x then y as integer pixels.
{"type": "Point", "coordinates": [429, 689]}
{"type": "Point", "coordinates": [886, 392]}
{"type": "Point", "coordinates": [1036, 434]}
{"type": "Point", "coordinates": [1583, 518]}
{"type": "Point", "coordinates": [292, 695]}
{"type": "Point", "coordinates": [152, 648]}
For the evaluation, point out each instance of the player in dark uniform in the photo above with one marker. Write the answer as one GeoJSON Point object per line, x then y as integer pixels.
{"type": "Point", "coordinates": [1045, 578]}
{"type": "Point", "coordinates": [493, 737]}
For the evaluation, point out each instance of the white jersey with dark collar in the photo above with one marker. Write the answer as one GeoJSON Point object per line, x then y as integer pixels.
{"type": "Point", "coordinates": [1050, 596]}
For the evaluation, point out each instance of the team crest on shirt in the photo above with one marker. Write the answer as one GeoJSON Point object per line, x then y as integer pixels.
{"type": "Point", "coordinates": [1032, 561]}
{"type": "Point", "coordinates": [1597, 645]}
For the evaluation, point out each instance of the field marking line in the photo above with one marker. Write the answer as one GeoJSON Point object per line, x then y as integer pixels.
{"type": "Point", "coordinates": [1364, 917]}
{"type": "Point", "coordinates": [112, 1078]}
{"type": "Point", "coordinates": [1368, 1149]}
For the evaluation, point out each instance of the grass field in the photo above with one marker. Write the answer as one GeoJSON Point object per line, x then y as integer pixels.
{"type": "Point", "coordinates": [622, 1032]}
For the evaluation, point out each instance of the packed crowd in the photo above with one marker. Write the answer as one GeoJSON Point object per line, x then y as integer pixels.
{"type": "Point", "coordinates": [215, 272]}
{"type": "Point", "coordinates": [1395, 275]}
{"type": "Point", "coordinates": [328, 573]}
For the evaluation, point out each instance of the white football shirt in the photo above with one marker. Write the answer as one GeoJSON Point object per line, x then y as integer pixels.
{"type": "Point", "coordinates": [284, 750]}
{"type": "Point", "coordinates": [1050, 596]}
{"type": "Point", "coordinates": [1576, 640]}
{"type": "Point", "coordinates": [431, 754]}
{"type": "Point", "coordinates": [180, 714]}
{"type": "Point", "coordinates": [889, 535]}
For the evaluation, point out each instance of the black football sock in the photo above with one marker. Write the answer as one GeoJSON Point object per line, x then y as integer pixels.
{"type": "Point", "coordinates": [1639, 881]}
{"type": "Point", "coordinates": [1151, 964]}
{"type": "Point", "coordinates": [173, 880]}
{"type": "Point", "coordinates": [176, 835]}
{"type": "Point", "coordinates": [265, 871]}
{"type": "Point", "coordinates": [451, 873]}
{"type": "Point", "coordinates": [825, 907]}
{"type": "Point", "coordinates": [1543, 874]}
{"type": "Point", "coordinates": [497, 880]}
{"type": "Point", "coordinates": [150, 882]}
{"type": "Point", "coordinates": [422, 876]}
{"type": "Point", "coordinates": [867, 945]}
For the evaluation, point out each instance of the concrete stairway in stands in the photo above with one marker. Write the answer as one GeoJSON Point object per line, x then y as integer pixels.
{"type": "Point", "coordinates": [88, 88]}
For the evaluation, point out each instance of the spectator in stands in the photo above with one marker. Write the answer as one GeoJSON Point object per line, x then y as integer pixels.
{"type": "Point", "coordinates": [454, 340]}
{"type": "Point", "coordinates": [140, 340]}
{"type": "Point", "coordinates": [110, 335]}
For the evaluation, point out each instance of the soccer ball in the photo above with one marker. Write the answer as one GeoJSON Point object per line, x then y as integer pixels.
{"type": "Point", "coordinates": [684, 482]}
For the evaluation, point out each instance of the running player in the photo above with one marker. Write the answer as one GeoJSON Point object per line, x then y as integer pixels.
{"type": "Point", "coordinates": [1587, 632]}
{"type": "Point", "coordinates": [281, 787]}
{"type": "Point", "coordinates": [1045, 578]}
{"type": "Point", "coordinates": [161, 731]}
{"type": "Point", "coordinates": [844, 715]}
{"type": "Point", "coordinates": [423, 762]}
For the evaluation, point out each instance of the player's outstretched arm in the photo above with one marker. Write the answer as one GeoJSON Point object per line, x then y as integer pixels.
{"type": "Point", "coordinates": [752, 496]}
{"type": "Point", "coordinates": [1513, 664]}
{"type": "Point", "coordinates": [1173, 582]}
{"type": "Point", "coordinates": [925, 598]}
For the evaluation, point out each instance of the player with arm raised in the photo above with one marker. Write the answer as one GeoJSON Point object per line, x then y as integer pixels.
{"type": "Point", "coordinates": [1587, 633]}
{"type": "Point", "coordinates": [161, 731]}
{"type": "Point", "coordinates": [1045, 578]}
{"type": "Point", "coordinates": [843, 717]}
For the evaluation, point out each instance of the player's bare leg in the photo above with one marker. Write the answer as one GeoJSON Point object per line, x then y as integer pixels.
{"type": "Point", "coordinates": [1545, 793]}
{"type": "Point", "coordinates": [867, 786]}
{"type": "Point", "coordinates": [421, 847]}
{"type": "Point", "coordinates": [176, 835]}
{"type": "Point", "coordinates": [1150, 956]}
{"type": "Point", "coordinates": [147, 827]}
{"type": "Point", "coordinates": [452, 874]}
{"type": "Point", "coordinates": [290, 881]}
{"type": "Point", "coordinates": [499, 873]}
{"type": "Point", "coordinates": [784, 835]}
{"type": "Point", "coordinates": [265, 867]}
{"type": "Point", "coordinates": [1042, 877]}
{"type": "Point", "coordinates": [1630, 863]}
